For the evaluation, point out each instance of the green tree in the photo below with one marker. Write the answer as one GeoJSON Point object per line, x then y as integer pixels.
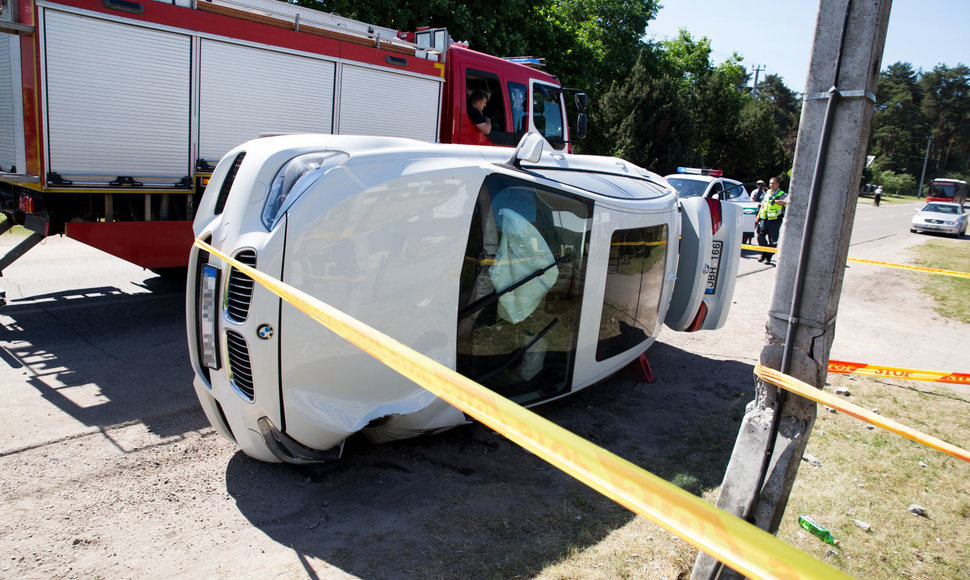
{"type": "Point", "coordinates": [946, 107]}
{"type": "Point", "coordinates": [587, 43]}
{"type": "Point", "coordinates": [785, 111]}
{"type": "Point", "coordinates": [643, 118]}
{"type": "Point", "coordinates": [898, 127]}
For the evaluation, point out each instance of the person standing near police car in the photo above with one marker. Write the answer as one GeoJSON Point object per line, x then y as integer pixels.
{"type": "Point", "coordinates": [757, 194]}
{"type": "Point", "coordinates": [770, 213]}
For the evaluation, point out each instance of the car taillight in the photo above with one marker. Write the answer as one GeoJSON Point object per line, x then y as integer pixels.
{"type": "Point", "coordinates": [699, 319]}
{"type": "Point", "coordinates": [715, 207]}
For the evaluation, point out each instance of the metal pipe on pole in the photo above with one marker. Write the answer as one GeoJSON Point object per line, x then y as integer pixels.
{"type": "Point", "coordinates": [829, 158]}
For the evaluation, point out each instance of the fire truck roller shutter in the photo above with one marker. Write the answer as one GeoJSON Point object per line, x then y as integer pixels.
{"type": "Point", "coordinates": [374, 102]}
{"type": "Point", "coordinates": [11, 114]}
{"type": "Point", "coordinates": [247, 91]}
{"type": "Point", "coordinates": [117, 98]}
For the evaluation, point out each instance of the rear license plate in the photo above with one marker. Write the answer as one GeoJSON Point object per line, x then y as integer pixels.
{"type": "Point", "coordinates": [714, 266]}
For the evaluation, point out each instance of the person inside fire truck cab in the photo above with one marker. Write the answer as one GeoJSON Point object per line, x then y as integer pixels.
{"type": "Point", "coordinates": [476, 104]}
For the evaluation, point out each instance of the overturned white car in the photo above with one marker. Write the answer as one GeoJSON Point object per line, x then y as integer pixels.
{"type": "Point", "coordinates": [534, 272]}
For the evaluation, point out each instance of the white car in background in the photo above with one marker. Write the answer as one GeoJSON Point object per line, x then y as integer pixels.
{"type": "Point", "coordinates": [533, 272]}
{"type": "Point", "coordinates": [693, 182]}
{"type": "Point", "coordinates": [940, 217]}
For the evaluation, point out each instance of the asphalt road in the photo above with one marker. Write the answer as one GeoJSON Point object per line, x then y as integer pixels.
{"type": "Point", "coordinates": [89, 342]}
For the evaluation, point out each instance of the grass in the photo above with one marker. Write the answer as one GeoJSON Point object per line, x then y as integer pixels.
{"type": "Point", "coordinates": [949, 293]}
{"type": "Point", "coordinates": [893, 474]}
{"type": "Point", "coordinates": [890, 199]}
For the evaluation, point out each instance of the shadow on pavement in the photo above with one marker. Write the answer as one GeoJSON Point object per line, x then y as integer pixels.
{"type": "Point", "coordinates": [468, 503]}
{"type": "Point", "coordinates": [103, 356]}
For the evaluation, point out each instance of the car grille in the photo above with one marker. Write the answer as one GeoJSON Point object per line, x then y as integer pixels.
{"type": "Point", "coordinates": [934, 221]}
{"type": "Point", "coordinates": [239, 289]}
{"type": "Point", "coordinates": [240, 367]}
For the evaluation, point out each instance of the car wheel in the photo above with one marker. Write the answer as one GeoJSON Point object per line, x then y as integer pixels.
{"type": "Point", "coordinates": [912, 230]}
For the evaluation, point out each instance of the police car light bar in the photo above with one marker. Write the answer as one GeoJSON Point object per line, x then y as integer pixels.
{"type": "Point", "coordinates": [696, 171]}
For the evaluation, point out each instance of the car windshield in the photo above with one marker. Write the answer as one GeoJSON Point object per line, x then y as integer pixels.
{"type": "Point", "coordinates": [940, 208]}
{"type": "Point", "coordinates": [688, 187]}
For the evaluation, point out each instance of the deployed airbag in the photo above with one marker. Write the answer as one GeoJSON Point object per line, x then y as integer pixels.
{"type": "Point", "coordinates": [521, 251]}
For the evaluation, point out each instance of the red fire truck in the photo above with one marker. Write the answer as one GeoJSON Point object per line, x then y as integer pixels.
{"type": "Point", "coordinates": [113, 113]}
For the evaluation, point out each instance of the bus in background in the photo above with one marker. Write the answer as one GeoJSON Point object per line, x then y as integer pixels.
{"type": "Point", "coordinates": [953, 190]}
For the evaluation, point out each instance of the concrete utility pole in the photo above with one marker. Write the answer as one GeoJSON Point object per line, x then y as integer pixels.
{"type": "Point", "coordinates": [829, 158]}
{"type": "Point", "coordinates": [754, 88]}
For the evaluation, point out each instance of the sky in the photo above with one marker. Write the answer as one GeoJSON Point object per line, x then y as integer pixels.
{"type": "Point", "coordinates": [777, 34]}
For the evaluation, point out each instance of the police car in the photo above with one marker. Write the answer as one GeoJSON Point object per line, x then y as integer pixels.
{"type": "Point", "coordinates": [694, 182]}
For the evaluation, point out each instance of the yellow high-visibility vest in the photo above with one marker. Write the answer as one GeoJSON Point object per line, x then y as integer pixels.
{"type": "Point", "coordinates": [769, 209]}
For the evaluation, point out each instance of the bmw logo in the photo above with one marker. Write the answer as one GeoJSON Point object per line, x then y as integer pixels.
{"type": "Point", "coordinates": [265, 331]}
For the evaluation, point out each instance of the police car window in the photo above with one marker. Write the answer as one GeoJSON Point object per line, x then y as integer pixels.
{"type": "Point", "coordinates": [732, 190]}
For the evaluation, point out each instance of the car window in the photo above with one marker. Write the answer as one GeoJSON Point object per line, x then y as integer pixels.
{"type": "Point", "coordinates": [732, 190]}
{"type": "Point", "coordinates": [521, 288]}
{"type": "Point", "coordinates": [716, 190]}
{"type": "Point", "coordinates": [638, 260]}
{"type": "Point", "coordinates": [688, 187]}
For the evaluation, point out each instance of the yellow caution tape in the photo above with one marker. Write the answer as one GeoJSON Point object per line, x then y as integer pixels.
{"type": "Point", "coordinates": [742, 546]}
{"type": "Point", "coordinates": [852, 368]}
{"type": "Point", "coordinates": [759, 248]}
{"type": "Point", "coordinates": [914, 268]}
{"type": "Point", "coordinates": [800, 388]}
{"type": "Point", "coordinates": [875, 262]}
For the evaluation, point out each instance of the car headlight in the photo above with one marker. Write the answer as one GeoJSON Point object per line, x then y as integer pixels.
{"type": "Point", "coordinates": [295, 177]}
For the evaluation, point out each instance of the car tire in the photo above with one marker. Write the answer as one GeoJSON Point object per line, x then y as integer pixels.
{"type": "Point", "coordinates": [912, 230]}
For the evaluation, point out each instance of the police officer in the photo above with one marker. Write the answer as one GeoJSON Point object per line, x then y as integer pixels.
{"type": "Point", "coordinates": [768, 222]}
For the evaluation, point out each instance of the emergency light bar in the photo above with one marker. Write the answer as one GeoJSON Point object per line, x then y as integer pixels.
{"type": "Point", "coordinates": [696, 171]}
{"type": "Point", "coordinates": [527, 60]}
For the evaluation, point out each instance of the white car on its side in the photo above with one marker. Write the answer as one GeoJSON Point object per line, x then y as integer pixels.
{"type": "Point", "coordinates": [693, 182]}
{"type": "Point", "coordinates": [534, 272]}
